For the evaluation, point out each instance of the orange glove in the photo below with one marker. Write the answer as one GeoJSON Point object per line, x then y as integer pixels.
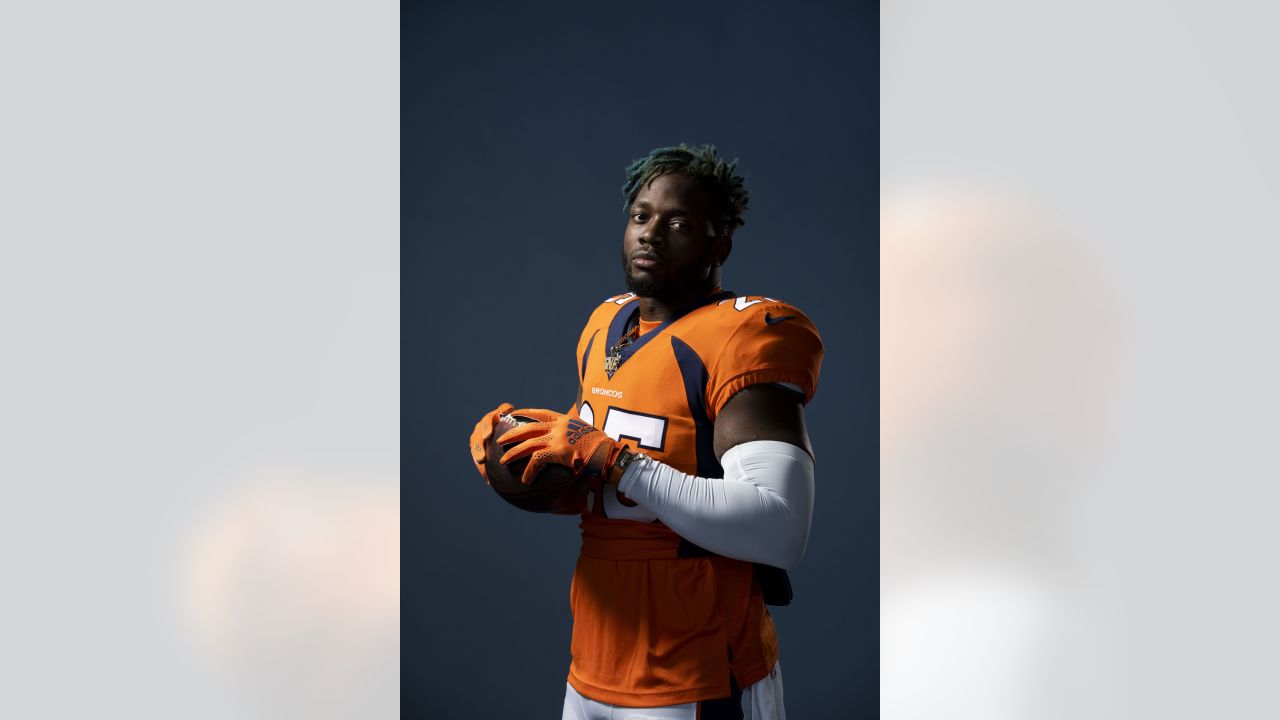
{"type": "Point", "coordinates": [480, 437]}
{"type": "Point", "coordinates": [560, 439]}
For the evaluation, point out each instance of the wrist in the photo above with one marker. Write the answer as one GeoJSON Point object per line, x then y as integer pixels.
{"type": "Point", "coordinates": [613, 474]}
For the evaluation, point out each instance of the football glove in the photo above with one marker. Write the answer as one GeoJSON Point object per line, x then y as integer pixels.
{"type": "Point", "coordinates": [480, 437]}
{"type": "Point", "coordinates": [561, 439]}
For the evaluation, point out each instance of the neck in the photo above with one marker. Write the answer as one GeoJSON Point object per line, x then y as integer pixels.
{"type": "Point", "coordinates": [667, 307]}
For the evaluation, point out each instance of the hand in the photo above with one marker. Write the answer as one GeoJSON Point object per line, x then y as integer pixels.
{"type": "Point", "coordinates": [560, 439]}
{"type": "Point", "coordinates": [480, 437]}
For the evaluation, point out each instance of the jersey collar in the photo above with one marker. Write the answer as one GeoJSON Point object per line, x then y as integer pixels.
{"type": "Point", "coordinates": [627, 315]}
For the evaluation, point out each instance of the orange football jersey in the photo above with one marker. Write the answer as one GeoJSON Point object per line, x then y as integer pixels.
{"type": "Point", "coordinates": [655, 622]}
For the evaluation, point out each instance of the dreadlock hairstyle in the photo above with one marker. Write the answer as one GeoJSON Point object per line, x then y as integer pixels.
{"type": "Point", "coordinates": [728, 194]}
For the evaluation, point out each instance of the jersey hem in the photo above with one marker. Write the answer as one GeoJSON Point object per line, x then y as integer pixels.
{"type": "Point", "coordinates": [751, 678]}
{"type": "Point", "coordinates": [654, 699]}
{"type": "Point", "coordinates": [669, 697]}
{"type": "Point", "coordinates": [759, 376]}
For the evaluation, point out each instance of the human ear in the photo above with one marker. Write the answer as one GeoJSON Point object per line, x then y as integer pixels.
{"type": "Point", "coordinates": [723, 246]}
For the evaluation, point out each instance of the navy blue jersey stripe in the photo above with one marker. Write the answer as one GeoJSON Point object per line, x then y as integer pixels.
{"type": "Point", "coordinates": [695, 378]}
{"type": "Point", "coordinates": [619, 324]}
{"type": "Point", "coordinates": [623, 319]}
{"type": "Point", "coordinates": [586, 354]}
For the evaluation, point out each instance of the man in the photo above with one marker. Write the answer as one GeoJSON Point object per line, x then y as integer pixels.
{"type": "Point", "coordinates": [689, 428]}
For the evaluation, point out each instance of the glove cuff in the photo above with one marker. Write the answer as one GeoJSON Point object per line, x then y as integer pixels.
{"type": "Point", "coordinates": [613, 475]}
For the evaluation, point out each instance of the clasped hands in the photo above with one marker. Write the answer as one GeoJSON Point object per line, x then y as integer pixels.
{"type": "Point", "coordinates": [552, 438]}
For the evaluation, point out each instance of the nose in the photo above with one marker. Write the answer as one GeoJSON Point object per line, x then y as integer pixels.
{"type": "Point", "coordinates": [652, 234]}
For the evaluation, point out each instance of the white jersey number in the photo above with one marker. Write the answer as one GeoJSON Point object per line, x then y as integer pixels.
{"type": "Point", "coordinates": [648, 432]}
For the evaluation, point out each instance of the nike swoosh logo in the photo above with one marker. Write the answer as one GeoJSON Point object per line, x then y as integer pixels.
{"type": "Point", "coordinates": [771, 320]}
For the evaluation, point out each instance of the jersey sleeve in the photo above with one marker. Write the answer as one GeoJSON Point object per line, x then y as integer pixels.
{"type": "Point", "coordinates": [773, 342]}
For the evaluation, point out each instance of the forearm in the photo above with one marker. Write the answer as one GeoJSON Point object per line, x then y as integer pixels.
{"type": "Point", "coordinates": [760, 511]}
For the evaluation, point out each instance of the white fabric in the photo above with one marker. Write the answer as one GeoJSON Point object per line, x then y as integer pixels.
{"type": "Point", "coordinates": [763, 700]}
{"type": "Point", "coordinates": [760, 701]}
{"type": "Point", "coordinates": [759, 511]}
{"type": "Point", "coordinates": [580, 707]}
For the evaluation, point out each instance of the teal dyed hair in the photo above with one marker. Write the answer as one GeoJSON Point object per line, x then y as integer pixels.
{"type": "Point", "coordinates": [728, 193]}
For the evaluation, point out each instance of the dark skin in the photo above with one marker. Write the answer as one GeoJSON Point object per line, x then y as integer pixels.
{"type": "Point", "coordinates": [672, 243]}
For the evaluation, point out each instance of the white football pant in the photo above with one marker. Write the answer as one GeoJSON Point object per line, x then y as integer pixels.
{"type": "Point", "coordinates": [760, 701]}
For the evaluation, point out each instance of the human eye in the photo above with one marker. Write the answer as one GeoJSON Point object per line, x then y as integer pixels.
{"type": "Point", "coordinates": [680, 224]}
{"type": "Point", "coordinates": [639, 217]}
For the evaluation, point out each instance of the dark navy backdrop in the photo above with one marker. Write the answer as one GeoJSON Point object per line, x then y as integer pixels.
{"type": "Point", "coordinates": [517, 121]}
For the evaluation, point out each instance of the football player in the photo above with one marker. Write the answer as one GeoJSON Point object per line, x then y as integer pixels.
{"type": "Point", "coordinates": [689, 427]}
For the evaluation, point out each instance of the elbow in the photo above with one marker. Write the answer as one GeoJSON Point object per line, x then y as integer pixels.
{"type": "Point", "coordinates": [792, 534]}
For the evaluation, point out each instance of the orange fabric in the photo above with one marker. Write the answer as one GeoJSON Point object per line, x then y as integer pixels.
{"type": "Point", "coordinates": [651, 628]}
{"type": "Point", "coordinates": [647, 325]}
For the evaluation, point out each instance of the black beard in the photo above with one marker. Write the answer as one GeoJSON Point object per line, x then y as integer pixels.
{"type": "Point", "coordinates": [661, 288]}
{"type": "Point", "coordinates": [644, 287]}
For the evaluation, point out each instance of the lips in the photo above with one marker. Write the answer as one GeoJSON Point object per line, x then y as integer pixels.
{"type": "Point", "coordinates": [645, 260]}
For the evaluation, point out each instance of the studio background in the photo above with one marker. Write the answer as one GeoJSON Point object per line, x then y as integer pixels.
{"type": "Point", "coordinates": [517, 122]}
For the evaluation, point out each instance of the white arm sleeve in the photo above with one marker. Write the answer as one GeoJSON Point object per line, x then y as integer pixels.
{"type": "Point", "coordinates": [759, 511]}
